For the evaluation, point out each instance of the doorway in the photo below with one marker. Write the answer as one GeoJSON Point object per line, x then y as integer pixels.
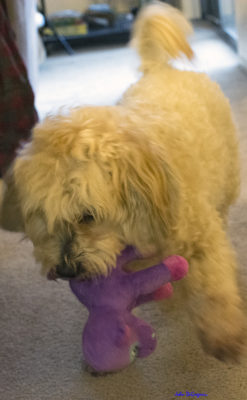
{"type": "Point", "coordinates": [222, 13]}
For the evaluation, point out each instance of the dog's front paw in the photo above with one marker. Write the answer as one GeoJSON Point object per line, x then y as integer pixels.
{"type": "Point", "coordinates": [229, 349]}
{"type": "Point", "coordinates": [224, 339]}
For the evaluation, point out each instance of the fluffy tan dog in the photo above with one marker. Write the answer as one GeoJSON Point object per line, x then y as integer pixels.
{"type": "Point", "coordinates": [157, 171]}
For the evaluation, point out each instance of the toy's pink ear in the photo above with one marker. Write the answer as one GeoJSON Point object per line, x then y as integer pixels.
{"type": "Point", "coordinates": [123, 335]}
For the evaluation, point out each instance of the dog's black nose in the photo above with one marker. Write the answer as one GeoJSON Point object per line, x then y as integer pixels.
{"type": "Point", "coordinates": [65, 271]}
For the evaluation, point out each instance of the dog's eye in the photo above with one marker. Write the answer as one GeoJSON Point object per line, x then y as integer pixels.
{"type": "Point", "coordinates": [86, 218]}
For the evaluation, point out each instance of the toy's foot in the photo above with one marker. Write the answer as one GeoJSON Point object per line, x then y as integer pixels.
{"type": "Point", "coordinates": [164, 292]}
{"type": "Point", "coordinates": [177, 266]}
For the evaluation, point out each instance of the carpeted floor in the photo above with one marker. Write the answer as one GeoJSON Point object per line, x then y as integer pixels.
{"type": "Point", "coordinates": [41, 322]}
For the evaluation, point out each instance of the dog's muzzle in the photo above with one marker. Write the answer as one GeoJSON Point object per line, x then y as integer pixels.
{"type": "Point", "coordinates": [65, 271]}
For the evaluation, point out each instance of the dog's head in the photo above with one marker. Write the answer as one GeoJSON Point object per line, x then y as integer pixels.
{"type": "Point", "coordinates": [90, 183]}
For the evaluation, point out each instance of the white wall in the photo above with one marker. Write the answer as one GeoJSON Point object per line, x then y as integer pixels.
{"type": "Point", "coordinates": [227, 7]}
{"type": "Point", "coordinates": [79, 5]}
{"type": "Point", "coordinates": [191, 8]}
{"type": "Point", "coordinates": [22, 18]}
{"type": "Point", "coordinates": [57, 5]}
{"type": "Point", "coordinates": [241, 19]}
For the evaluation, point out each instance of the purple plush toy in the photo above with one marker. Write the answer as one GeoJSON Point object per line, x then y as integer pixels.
{"type": "Point", "coordinates": [113, 337]}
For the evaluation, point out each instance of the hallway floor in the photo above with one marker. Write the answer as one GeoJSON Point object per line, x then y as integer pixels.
{"type": "Point", "coordinates": [101, 75]}
{"type": "Point", "coordinates": [41, 322]}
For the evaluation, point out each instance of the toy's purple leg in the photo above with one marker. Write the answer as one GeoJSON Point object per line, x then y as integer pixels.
{"type": "Point", "coordinates": [128, 254]}
{"type": "Point", "coordinates": [147, 338]}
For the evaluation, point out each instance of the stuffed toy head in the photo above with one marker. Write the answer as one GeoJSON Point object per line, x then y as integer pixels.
{"type": "Point", "coordinates": [113, 337]}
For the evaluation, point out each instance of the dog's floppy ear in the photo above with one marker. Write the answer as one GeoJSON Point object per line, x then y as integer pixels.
{"type": "Point", "coordinates": [10, 211]}
{"type": "Point", "coordinates": [147, 180]}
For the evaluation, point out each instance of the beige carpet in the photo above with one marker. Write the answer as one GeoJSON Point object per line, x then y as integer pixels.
{"type": "Point", "coordinates": [41, 322]}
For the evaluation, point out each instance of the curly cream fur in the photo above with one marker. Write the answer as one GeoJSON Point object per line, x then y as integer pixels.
{"type": "Point", "coordinates": [158, 171]}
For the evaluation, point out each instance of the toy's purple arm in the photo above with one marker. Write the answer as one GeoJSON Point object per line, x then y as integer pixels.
{"type": "Point", "coordinates": [164, 292]}
{"type": "Point", "coordinates": [147, 281]}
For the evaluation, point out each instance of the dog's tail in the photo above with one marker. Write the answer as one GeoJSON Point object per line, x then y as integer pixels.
{"type": "Point", "coordinates": [160, 35]}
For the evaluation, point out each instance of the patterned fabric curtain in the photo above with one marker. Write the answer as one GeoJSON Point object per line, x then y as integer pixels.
{"type": "Point", "coordinates": [17, 111]}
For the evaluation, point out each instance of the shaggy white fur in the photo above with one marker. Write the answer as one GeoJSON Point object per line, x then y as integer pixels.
{"type": "Point", "coordinates": [158, 171]}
